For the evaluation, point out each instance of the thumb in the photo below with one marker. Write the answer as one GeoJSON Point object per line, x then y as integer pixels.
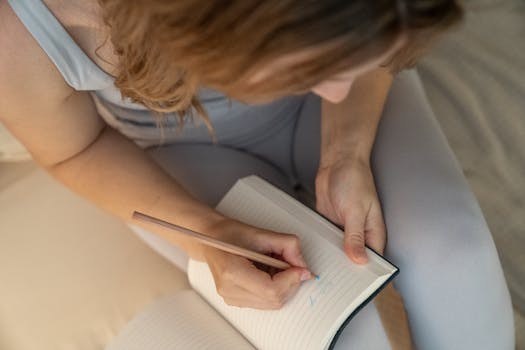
{"type": "Point", "coordinates": [375, 229]}
{"type": "Point", "coordinates": [354, 241]}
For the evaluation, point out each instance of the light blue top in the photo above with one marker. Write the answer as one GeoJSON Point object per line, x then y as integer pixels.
{"type": "Point", "coordinates": [235, 123]}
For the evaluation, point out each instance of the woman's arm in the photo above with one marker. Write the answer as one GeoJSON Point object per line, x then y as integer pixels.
{"type": "Point", "coordinates": [349, 127]}
{"type": "Point", "coordinates": [345, 189]}
{"type": "Point", "coordinates": [116, 175]}
{"type": "Point", "coordinates": [64, 133]}
{"type": "Point", "coordinates": [67, 138]}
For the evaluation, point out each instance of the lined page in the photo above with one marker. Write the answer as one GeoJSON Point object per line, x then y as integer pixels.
{"type": "Point", "coordinates": [180, 321]}
{"type": "Point", "coordinates": [312, 317]}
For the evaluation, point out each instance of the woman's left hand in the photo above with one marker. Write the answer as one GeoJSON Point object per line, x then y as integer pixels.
{"type": "Point", "coordinates": [346, 195]}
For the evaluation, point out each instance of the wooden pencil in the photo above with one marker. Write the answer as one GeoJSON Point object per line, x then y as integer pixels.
{"type": "Point", "coordinates": [216, 243]}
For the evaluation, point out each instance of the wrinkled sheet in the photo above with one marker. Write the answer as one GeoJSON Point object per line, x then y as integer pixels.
{"type": "Point", "coordinates": [475, 80]}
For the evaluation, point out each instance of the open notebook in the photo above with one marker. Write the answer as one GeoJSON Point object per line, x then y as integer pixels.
{"type": "Point", "coordinates": [312, 319]}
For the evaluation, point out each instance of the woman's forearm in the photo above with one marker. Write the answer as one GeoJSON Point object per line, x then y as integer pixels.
{"type": "Point", "coordinates": [118, 176]}
{"type": "Point", "coordinates": [348, 128]}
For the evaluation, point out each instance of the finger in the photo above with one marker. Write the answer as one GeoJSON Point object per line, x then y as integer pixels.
{"type": "Point", "coordinates": [230, 270]}
{"type": "Point", "coordinates": [252, 303]}
{"type": "Point", "coordinates": [375, 233]}
{"type": "Point", "coordinates": [283, 285]}
{"type": "Point", "coordinates": [286, 283]}
{"type": "Point", "coordinates": [266, 268]}
{"type": "Point", "coordinates": [354, 240]}
{"type": "Point", "coordinates": [240, 280]}
{"type": "Point", "coordinates": [243, 285]}
{"type": "Point", "coordinates": [237, 295]}
{"type": "Point", "coordinates": [246, 275]}
{"type": "Point", "coordinates": [258, 285]}
{"type": "Point", "coordinates": [286, 245]}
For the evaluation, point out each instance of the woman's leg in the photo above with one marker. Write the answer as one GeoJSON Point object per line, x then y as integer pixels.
{"type": "Point", "coordinates": [450, 275]}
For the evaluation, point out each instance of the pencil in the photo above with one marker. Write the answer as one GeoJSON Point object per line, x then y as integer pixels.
{"type": "Point", "coordinates": [213, 242]}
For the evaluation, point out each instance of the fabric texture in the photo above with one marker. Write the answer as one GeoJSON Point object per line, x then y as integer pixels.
{"type": "Point", "coordinates": [475, 80]}
{"type": "Point", "coordinates": [11, 150]}
{"type": "Point", "coordinates": [71, 275]}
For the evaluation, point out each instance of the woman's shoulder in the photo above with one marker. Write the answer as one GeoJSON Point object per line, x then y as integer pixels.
{"type": "Point", "coordinates": [37, 105]}
{"type": "Point", "coordinates": [83, 30]}
{"type": "Point", "coordinates": [24, 65]}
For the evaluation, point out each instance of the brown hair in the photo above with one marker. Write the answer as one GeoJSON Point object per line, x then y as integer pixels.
{"type": "Point", "coordinates": [167, 49]}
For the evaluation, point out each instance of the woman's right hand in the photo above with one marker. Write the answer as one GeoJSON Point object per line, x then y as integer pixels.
{"type": "Point", "coordinates": [239, 281]}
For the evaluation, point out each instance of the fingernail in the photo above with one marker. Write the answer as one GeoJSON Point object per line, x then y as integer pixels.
{"type": "Point", "coordinates": [362, 257]}
{"type": "Point", "coordinates": [306, 275]}
{"type": "Point", "coordinates": [357, 255]}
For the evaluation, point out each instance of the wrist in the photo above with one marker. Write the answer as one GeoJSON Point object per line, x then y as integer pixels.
{"type": "Point", "coordinates": [349, 151]}
{"type": "Point", "coordinates": [186, 212]}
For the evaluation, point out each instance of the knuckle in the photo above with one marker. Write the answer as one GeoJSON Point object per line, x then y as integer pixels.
{"type": "Point", "coordinates": [356, 237]}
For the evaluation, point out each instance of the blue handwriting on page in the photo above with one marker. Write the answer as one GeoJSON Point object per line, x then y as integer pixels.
{"type": "Point", "coordinates": [321, 290]}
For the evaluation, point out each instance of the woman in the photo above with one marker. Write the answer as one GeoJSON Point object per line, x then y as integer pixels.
{"type": "Point", "coordinates": [313, 79]}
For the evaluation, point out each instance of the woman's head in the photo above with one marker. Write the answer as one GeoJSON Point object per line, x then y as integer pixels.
{"type": "Point", "coordinates": [258, 50]}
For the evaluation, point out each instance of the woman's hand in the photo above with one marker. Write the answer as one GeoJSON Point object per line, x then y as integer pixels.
{"type": "Point", "coordinates": [345, 188]}
{"type": "Point", "coordinates": [346, 195]}
{"type": "Point", "coordinates": [239, 281]}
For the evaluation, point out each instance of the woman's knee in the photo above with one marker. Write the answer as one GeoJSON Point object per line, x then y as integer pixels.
{"type": "Point", "coordinates": [452, 271]}
{"type": "Point", "coordinates": [442, 243]}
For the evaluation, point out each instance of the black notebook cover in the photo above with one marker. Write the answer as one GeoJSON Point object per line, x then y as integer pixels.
{"type": "Point", "coordinates": [372, 296]}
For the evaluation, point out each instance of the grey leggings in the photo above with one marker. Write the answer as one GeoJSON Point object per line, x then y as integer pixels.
{"type": "Point", "coordinates": [451, 278]}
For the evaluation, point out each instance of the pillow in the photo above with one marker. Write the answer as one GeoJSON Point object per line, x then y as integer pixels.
{"type": "Point", "coordinates": [10, 149]}
{"type": "Point", "coordinates": [72, 276]}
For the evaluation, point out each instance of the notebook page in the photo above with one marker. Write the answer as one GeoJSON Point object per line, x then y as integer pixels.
{"type": "Point", "coordinates": [311, 318]}
{"type": "Point", "coordinates": [180, 321]}
{"type": "Point", "coordinates": [316, 222]}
